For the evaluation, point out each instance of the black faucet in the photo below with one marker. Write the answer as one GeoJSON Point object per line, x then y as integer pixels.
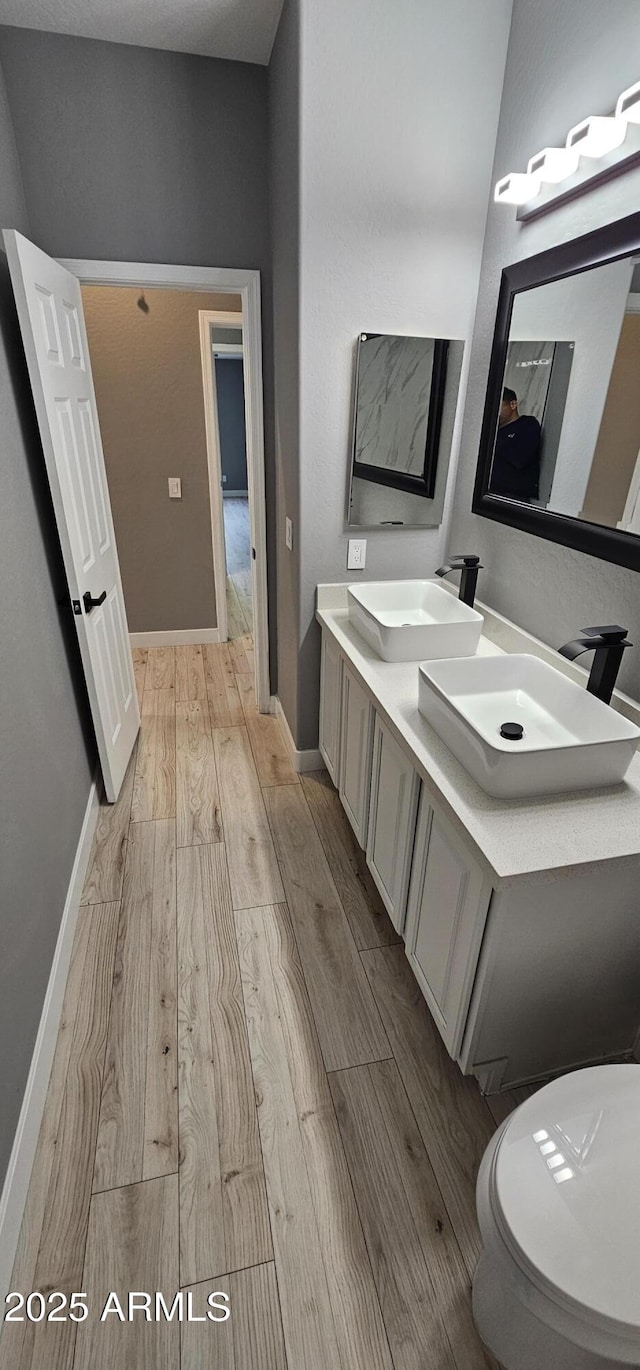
{"type": "Point", "coordinates": [469, 578]}
{"type": "Point", "coordinates": [608, 643]}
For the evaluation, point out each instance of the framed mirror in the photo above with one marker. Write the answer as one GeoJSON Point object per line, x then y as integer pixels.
{"type": "Point", "coordinates": [405, 396]}
{"type": "Point", "coordinates": [560, 442]}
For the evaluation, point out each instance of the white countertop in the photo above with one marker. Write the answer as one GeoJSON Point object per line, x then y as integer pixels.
{"type": "Point", "coordinates": [511, 838]}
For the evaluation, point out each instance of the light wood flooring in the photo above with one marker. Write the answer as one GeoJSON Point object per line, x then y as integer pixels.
{"type": "Point", "coordinates": [238, 553]}
{"type": "Point", "coordinates": [248, 1092]}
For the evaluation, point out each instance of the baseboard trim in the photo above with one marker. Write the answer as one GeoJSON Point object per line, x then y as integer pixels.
{"type": "Point", "coordinates": [180, 637]}
{"type": "Point", "coordinates": [301, 761]}
{"type": "Point", "coordinates": [16, 1184]}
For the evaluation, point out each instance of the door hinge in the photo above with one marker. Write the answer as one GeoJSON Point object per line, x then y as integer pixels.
{"type": "Point", "coordinates": [253, 553]}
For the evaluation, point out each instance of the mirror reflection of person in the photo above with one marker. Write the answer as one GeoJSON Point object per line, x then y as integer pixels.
{"type": "Point", "coordinates": [516, 460]}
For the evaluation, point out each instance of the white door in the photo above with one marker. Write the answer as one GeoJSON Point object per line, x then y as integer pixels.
{"type": "Point", "coordinates": [392, 822]}
{"type": "Point", "coordinates": [49, 306]}
{"type": "Point", "coordinates": [330, 702]}
{"type": "Point", "coordinates": [355, 754]}
{"type": "Point", "coordinates": [446, 914]}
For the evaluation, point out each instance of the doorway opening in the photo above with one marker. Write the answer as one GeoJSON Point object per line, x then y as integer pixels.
{"type": "Point", "coordinates": [240, 589]}
{"type": "Point", "coordinates": [222, 355]}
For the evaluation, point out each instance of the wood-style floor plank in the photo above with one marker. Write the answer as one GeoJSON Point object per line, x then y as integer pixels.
{"type": "Point", "coordinates": [225, 707]}
{"type": "Point", "coordinates": [368, 918]}
{"type": "Point", "coordinates": [360, 1333]}
{"type": "Point", "coordinates": [253, 869]}
{"type": "Point", "coordinates": [309, 1329]}
{"type": "Point", "coordinates": [139, 655]}
{"type": "Point", "coordinates": [251, 1339]}
{"type": "Point", "coordinates": [161, 668]}
{"type": "Point", "coordinates": [437, 1090]}
{"type": "Point", "coordinates": [223, 1210]}
{"type": "Point", "coordinates": [347, 1020]}
{"type": "Point", "coordinates": [154, 786]}
{"type": "Point", "coordinates": [199, 818]}
{"type": "Point", "coordinates": [421, 1277]}
{"type": "Point", "coordinates": [237, 624]}
{"type": "Point", "coordinates": [416, 1336]}
{"type": "Point", "coordinates": [132, 1244]}
{"type": "Point", "coordinates": [241, 654]}
{"type": "Point", "coordinates": [105, 871]}
{"type": "Point", "coordinates": [270, 751]}
{"type": "Point", "coordinates": [140, 1025]}
{"type": "Point", "coordinates": [190, 681]}
{"type": "Point", "coordinates": [160, 1144]}
{"type": "Point", "coordinates": [51, 1249]}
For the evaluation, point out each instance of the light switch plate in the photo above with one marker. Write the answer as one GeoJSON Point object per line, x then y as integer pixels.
{"type": "Point", "coordinates": [288, 533]}
{"type": "Point", "coordinates": [357, 554]}
{"type": "Point", "coordinates": [175, 487]}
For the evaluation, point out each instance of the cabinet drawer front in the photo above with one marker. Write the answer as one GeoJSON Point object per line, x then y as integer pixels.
{"type": "Point", "coordinates": [392, 821]}
{"type": "Point", "coordinates": [447, 909]}
{"type": "Point", "coordinates": [330, 706]}
{"type": "Point", "coordinates": [355, 754]}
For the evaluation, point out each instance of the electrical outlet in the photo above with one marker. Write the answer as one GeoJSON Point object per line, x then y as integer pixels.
{"type": "Point", "coordinates": [357, 554]}
{"type": "Point", "coordinates": [288, 533]}
{"type": "Point", "coordinates": [175, 487]}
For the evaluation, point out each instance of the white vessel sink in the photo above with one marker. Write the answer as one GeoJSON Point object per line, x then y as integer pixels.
{"type": "Point", "coordinates": [413, 620]}
{"type": "Point", "coordinates": [570, 740]}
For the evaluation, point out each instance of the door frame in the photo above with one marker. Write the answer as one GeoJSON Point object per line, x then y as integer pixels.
{"type": "Point", "coordinates": [246, 284]}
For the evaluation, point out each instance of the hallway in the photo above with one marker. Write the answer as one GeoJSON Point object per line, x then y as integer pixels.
{"type": "Point", "coordinates": [248, 1093]}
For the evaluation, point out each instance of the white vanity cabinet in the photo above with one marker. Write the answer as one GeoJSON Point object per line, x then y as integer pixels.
{"type": "Point", "coordinates": [446, 913]}
{"type": "Point", "coordinates": [356, 742]}
{"type": "Point", "coordinates": [520, 924]}
{"type": "Point", "coordinates": [392, 821]}
{"type": "Point", "coordinates": [330, 706]}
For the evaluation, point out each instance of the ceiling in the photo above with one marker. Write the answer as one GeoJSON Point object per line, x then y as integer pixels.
{"type": "Point", "coordinates": [241, 30]}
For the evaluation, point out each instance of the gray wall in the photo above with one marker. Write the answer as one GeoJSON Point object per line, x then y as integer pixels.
{"type": "Point", "coordinates": [46, 759]}
{"type": "Point", "coordinates": [564, 62]}
{"type": "Point", "coordinates": [393, 196]}
{"type": "Point", "coordinates": [231, 425]}
{"type": "Point", "coordinates": [284, 158]}
{"type": "Point", "coordinates": [139, 155]}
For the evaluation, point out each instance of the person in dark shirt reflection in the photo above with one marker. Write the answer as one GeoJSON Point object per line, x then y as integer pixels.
{"type": "Point", "coordinates": [516, 460]}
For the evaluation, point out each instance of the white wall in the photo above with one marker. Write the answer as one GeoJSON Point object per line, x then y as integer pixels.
{"type": "Point", "coordinates": [399, 110]}
{"type": "Point", "coordinates": [587, 310]}
{"type": "Point", "coordinates": [564, 62]}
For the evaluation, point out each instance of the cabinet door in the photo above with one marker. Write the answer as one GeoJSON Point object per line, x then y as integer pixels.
{"type": "Point", "coordinates": [355, 754]}
{"type": "Point", "coordinates": [392, 822]}
{"type": "Point", "coordinates": [330, 705]}
{"type": "Point", "coordinates": [446, 913]}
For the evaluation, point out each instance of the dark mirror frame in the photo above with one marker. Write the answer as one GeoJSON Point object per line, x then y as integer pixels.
{"type": "Point", "coordinates": [425, 484]}
{"type": "Point", "coordinates": [604, 245]}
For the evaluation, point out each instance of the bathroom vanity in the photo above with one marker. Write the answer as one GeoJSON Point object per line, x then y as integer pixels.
{"type": "Point", "coordinates": [520, 917]}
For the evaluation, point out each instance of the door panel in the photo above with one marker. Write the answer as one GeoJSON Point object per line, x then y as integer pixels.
{"type": "Point", "coordinates": [392, 822]}
{"type": "Point", "coordinates": [49, 305]}
{"type": "Point", "coordinates": [355, 754]}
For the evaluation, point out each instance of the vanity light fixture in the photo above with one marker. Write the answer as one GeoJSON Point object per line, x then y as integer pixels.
{"type": "Point", "coordinates": [597, 135]}
{"type": "Point", "coordinates": [554, 164]}
{"type": "Point", "coordinates": [628, 106]}
{"type": "Point", "coordinates": [597, 147]}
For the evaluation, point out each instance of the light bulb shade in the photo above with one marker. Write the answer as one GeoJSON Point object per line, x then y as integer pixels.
{"type": "Point", "coordinates": [554, 164]}
{"type": "Point", "coordinates": [516, 188]}
{"type": "Point", "coordinates": [597, 135]}
{"type": "Point", "coordinates": [628, 106]}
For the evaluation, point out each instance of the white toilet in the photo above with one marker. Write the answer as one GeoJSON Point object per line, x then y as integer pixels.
{"type": "Point", "coordinates": [558, 1284]}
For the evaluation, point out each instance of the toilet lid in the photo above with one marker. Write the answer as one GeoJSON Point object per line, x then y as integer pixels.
{"type": "Point", "coordinates": [565, 1192]}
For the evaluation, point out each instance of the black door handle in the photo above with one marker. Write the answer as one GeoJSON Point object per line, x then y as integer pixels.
{"type": "Point", "coordinates": [91, 603]}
